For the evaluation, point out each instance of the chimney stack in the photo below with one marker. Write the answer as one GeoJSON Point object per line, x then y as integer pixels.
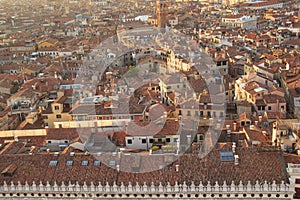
{"type": "Point", "coordinates": [260, 118]}
{"type": "Point", "coordinates": [233, 147]}
{"type": "Point", "coordinates": [236, 159]}
{"type": "Point", "coordinates": [177, 168]}
{"type": "Point", "coordinates": [234, 126]}
{"type": "Point", "coordinates": [227, 126]}
{"type": "Point", "coordinates": [188, 139]}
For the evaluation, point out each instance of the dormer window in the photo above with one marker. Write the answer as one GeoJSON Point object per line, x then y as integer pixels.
{"type": "Point", "coordinates": [9, 171]}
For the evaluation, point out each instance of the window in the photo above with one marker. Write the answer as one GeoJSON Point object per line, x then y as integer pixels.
{"type": "Point", "coordinates": [56, 107]}
{"type": "Point", "coordinates": [69, 163]}
{"type": "Point", "coordinates": [159, 140]}
{"type": "Point", "coordinates": [58, 116]}
{"type": "Point", "coordinates": [168, 140]}
{"type": "Point", "coordinates": [214, 114]}
{"type": "Point", "coordinates": [150, 140]}
{"type": "Point", "coordinates": [201, 113]}
{"type": "Point", "coordinates": [97, 163]}
{"type": "Point", "coordinates": [221, 114]}
{"type": "Point", "coordinates": [180, 112]}
{"type": "Point", "coordinates": [196, 113]}
{"type": "Point", "coordinates": [144, 141]}
{"type": "Point", "coordinates": [129, 141]}
{"type": "Point", "coordinates": [208, 113]}
{"type": "Point", "coordinates": [282, 108]}
{"type": "Point", "coordinates": [201, 137]}
{"type": "Point", "coordinates": [188, 113]}
{"type": "Point", "coordinates": [269, 108]}
{"type": "Point", "coordinates": [49, 142]}
{"type": "Point", "coordinates": [53, 163]}
{"type": "Point", "coordinates": [84, 163]}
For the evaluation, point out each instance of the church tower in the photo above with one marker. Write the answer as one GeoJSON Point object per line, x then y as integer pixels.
{"type": "Point", "coordinates": [162, 13]}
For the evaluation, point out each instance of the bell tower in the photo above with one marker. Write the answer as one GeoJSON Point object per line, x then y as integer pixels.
{"type": "Point", "coordinates": [162, 13]}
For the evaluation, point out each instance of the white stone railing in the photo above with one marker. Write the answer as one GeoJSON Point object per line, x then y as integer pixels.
{"type": "Point", "coordinates": [209, 190]}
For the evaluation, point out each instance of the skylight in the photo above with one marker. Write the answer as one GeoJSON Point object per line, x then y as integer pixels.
{"type": "Point", "coordinates": [112, 163]}
{"type": "Point", "coordinates": [226, 156]}
{"type": "Point", "coordinates": [97, 163]}
{"type": "Point", "coordinates": [53, 163]}
{"type": "Point", "coordinates": [69, 163]}
{"type": "Point", "coordinates": [84, 163]}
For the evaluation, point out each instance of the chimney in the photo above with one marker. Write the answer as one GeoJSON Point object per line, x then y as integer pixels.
{"type": "Point", "coordinates": [259, 118]}
{"type": "Point", "coordinates": [188, 137]}
{"type": "Point", "coordinates": [227, 126]}
{"type": "Point", "coordinates": [233, 147]}
{"type": "Point", "coordinates": [60, 126]}
{"type": "Point", "coordinates": [236, 159]}
{"type": "Point", "coordinates": [177, 168]}
{"type": "Point", "coordinates": [256, 123]}
{"type": "Point", "coordinates": [234, 126]}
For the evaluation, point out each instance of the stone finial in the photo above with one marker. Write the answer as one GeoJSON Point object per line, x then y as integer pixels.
{"type": "Point", "coordinates": [241, 186]}
{"type": "Point", "coordinates": [176, 187]}
{"type": "Point", "coordinates": [265, 186]}
{"type": "Point", "coordinates": [217, 186]}
{"type": "Point", "coordinates": [144, 186]}
{"type": "Point", "coordinates": [193, 187]}
{"type": "Point", "coordinates": [257, 186]}
{"type": "Point", "coordinates": [122, 187]}
{"type": "Point", "coordinates": [273, 186]}
{"type": "Point", "coordinates": [249, 187]}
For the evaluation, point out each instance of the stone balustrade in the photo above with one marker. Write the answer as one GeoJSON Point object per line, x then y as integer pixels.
{"type": "Point", "coordinates": [216, 190]}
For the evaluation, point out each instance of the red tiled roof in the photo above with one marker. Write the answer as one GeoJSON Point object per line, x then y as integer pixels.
{"type": "Point", "coordinates": [62, 133]}
{"type": "Point", "coordinates": [253, 166]}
